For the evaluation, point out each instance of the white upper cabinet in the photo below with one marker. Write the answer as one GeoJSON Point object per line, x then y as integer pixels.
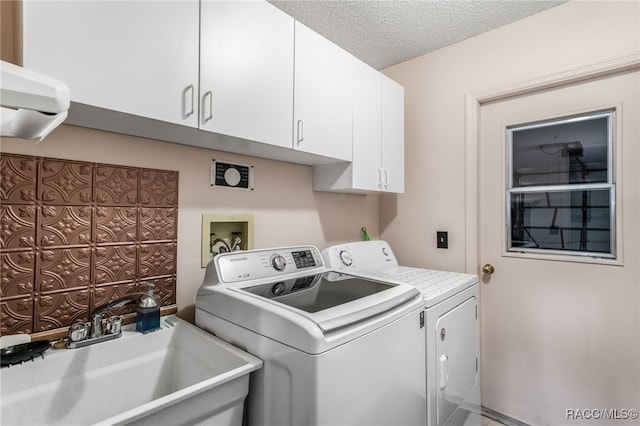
{"type": "Point", "coordinates": [237, 76]}
{"type": "Point", "coordinates": [246, 71]}
{"type": "Point", "coordinates": [367, 137]}
{"type": "Point", "coordinates": [392, 135]}
{"type": "Point", "coordinates": [136, 57]}
{"type": "Point", "coordinates": [378, 139]}
{"type": "Point", "coordinates": [322, 96]}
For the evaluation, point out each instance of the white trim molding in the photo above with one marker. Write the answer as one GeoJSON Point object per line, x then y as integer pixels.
{"type": "Point", "coordinates": [563, 77]}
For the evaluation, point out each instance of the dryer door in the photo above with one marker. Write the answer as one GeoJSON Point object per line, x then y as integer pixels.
{"type": "Point", "coordinates": [456, 358]}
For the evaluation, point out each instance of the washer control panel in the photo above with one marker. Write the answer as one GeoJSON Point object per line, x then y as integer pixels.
{"type": "Point", "coordinates": [304, 259]}
{"type": "Point", "coordinates": [253, 264]}
{"type": "Point", "coordinates": [360, 256]}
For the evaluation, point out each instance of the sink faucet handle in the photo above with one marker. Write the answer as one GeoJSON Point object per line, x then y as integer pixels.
{"type": "Point", "coordinates": [96, 318]}
{"type": "Point", "coordinates": [114, 324]}
{"type": "Point", "coordinates": [78, 331]}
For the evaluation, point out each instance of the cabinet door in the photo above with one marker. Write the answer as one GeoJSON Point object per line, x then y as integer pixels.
{"type": "Point", "coordinates": [392, 135]}
{"type": "Point", "coordinates": [367, 140]}
{"type": "Point", "coordinates": [323, 96]}
{"type": "Point", "coordinates": [137, 57]}
{"type": "Point", "coordinates": [246, 71]}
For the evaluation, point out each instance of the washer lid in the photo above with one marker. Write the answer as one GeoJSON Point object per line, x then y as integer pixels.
{"type": "Point", "coordinates": [332, 300]}
{"type": "Point", "coordinates": [311, 313]}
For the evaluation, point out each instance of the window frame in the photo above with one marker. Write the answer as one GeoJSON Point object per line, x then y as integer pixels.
{"type": "Point", "coordinates": [610, 185]}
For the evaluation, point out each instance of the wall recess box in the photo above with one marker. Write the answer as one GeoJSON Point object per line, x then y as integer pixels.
{"type": "Point", "coordinates": [218, 231]}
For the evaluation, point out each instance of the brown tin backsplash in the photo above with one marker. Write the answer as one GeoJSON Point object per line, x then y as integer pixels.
{"type": "Point", "coordinates": [75, 235]}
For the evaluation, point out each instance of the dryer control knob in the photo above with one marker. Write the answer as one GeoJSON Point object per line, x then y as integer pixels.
{"type": "Point", "coordinates": [345, 258]}
{"type": "Point", "coordinates": [278, 262]}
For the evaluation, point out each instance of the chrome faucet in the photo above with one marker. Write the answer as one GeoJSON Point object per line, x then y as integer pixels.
{"type": "Point", "coordinates": [78, 332]}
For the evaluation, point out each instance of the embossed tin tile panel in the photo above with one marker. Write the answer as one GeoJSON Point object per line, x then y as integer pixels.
{"type": "Point", "coordinates": [18, 226]}
{"type": "Point", "coordinates": [115, 264]}
{"type": "Point", "coordinates": [17, 274]}
{"type": "Point", "coordinates": [116, 186]}
{"type": "Point", "coordinates": [157, 259]}
{"type": "Point", "coordinates": [58, 310]}
{"type": "Point", "coordinates": [116, 225]}
{"type": "Point", "coordinates": [157, 224]}
{"type": "Point", "coordinates": [65, 226]}
{"type": "Point", "coordinates": [16, 316]}
{"type": "Point", "coordinates": [159, 188]}
{"type": "Point", "coordinates": [63, 269]}
{"type": "Point", "coordinates": [75, 235]}
{"type": "Point", "coordinates": [66, 182]}
{"type": "Point", "coordinates": [18, 181]}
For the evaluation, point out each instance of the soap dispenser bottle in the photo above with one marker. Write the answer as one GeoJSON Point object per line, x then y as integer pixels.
{"type": "Point", "coordinates": [148, 311]}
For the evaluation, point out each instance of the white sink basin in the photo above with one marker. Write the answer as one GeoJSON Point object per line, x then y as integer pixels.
{"type": "Point", "coordinates": [177, 375]}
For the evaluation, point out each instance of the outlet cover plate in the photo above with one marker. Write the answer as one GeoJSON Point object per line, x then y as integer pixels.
{"type": "Point", "coordinates": [442, 239]}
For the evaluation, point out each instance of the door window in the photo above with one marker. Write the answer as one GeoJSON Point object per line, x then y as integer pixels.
{"type": "Point", "coordinates": [560, 189]}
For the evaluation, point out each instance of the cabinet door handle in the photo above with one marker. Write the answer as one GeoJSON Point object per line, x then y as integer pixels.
{"type": "Point", "coordinates": [379, 177]}
{"type": "Point", "coordinates": [206, 117]}
{"type": "Point", "coordinates": [300, 131]}
{"type": "Point", "coordinates": [386, 177]}
{"type": "Point", "coordinates": [185, 113]}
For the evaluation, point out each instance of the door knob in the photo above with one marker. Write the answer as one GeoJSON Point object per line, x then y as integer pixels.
{"type": "Point", "coordinates": [488, 269]}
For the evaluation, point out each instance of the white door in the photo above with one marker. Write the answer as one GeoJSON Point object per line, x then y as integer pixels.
{"type": "Point", "coordinates": [560, 332]}
{"type": "Point", "coordinates": [323, 96]}
{"type": "Point", "coordinates": [246, 71]}
{"type": "Point", "coordinates": [136, 57]}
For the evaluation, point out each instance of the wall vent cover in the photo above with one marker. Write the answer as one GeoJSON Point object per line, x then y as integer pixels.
{"type": "Point", "coordinates": [231, 175]}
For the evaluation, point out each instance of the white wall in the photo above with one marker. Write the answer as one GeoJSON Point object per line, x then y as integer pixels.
{"type": "Point", "coordinates": [570, 35]}
{"type": "Point", "coordinates": [285, 208]}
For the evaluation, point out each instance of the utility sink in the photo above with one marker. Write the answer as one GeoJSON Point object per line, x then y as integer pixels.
{"type": "Point", "coordinates": [177, 375]}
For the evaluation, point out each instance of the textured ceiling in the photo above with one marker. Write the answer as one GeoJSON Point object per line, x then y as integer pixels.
{"type": "Point", "coordinates": [385, 33]}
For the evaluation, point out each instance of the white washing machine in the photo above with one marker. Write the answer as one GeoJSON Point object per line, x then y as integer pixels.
{"type": "Point", "coordinates": [337, 349]}
{"type": "Point", "coordinates": [452, 327]}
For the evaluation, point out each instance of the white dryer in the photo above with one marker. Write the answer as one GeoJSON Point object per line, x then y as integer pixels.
{"type": "Point", "coordinates": [337, 349]}
{"type": "Point", "coordinates": [452, 326]}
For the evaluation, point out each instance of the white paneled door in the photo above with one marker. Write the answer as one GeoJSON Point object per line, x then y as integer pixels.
{"type": "Point", "coordinates": [560, 332]}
